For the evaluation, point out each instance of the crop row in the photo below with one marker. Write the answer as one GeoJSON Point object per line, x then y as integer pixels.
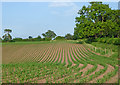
{"type": "Point", "coordinates": [59, 63]}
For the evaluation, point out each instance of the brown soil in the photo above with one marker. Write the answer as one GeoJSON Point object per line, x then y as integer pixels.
{"type": "Point", "coordinates": [80, 65]}
{"type": "Point", "coordinates": [71, 59]}
{"type": "Point", "coordinates": [63, 55]}
{"type": "Point", "coordinates": [98, 68]}
{"type": "Point", "coordinates": [60, 55]}
{"type": "Point", "coordinates": [17, 53]}
{"type": "Point", "coordinates": [72, 55]}
{"type": "Point", "coordinates": [114, 79]}
{"type": "Point", "coordinates": [42, 54]}
{"type": "Point", "coordinates": [109, 69]}
{"type": "Point", "coordinates": [89, 66]}
{"type": "Point", "coordinates": [57, 56]}
{"type": "Point", "coordinates": [80, 53]}
{"type": "Point", "coordinates": [54, 56]}
{"type": "Point", "coordinates": [77, 54]}
{"type": "Point", "coordinates": [41, 81]}
{"type": "Point", "coordinates": [49, 52]}
{"type": "Point", "coordinates": [66, 60]}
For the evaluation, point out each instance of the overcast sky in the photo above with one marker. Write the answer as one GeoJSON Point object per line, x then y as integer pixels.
{"type": "Point", "coordinates": [34, 18]}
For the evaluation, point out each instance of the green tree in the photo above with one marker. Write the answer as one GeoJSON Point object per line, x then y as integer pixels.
{"type": "Point", "coordinates": [59, 38]}
{"type": "Point", "coordinates": [17, 39]}
{"type": "Point", "coordinates": [49, 34]}
{"type": "Point", "coordinates": [68, 36]}
{"type": "Point", "coordinates": [30, 37]}
{"type": "Point", "coordinates": [97, 20]}
{"type": "Point", "coordinates": [7, 36]}
{"type": "Point", "coordinates": [38, 38]}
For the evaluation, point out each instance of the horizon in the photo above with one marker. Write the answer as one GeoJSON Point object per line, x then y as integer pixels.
{"type": "Point", "coordinates": [27, 18]}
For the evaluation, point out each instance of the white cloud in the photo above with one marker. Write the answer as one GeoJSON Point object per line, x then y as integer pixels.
{"type": "Point", "coordinates": [72, 11]}
{"type": "Point", "coordinates": [61, 4]}
{"type": "Point", "coordinates": [72, 8]}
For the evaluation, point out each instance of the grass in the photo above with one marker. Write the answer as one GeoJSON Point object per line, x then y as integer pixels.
{"type": "Point", "coordinates": [105, 45]}
{"type": "Point", "coordinates": [25, 42]}
{"type": "Point", "coordinates": [37, 42]}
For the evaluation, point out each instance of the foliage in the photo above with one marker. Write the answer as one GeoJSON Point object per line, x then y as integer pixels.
{"type": "Point", "coordinates": [39, 37]}
{"type": "Point", "coordinates": [115, 41]}
{"type": "Point", "coordinates": [49, 34]}
{"type": "Point", "coordinates": [8, 30]}
{"type": "Point", "coordinates": [7, 37]}
{"type": "Point", "coordinates": [17, 39]}
{"type": "Point", "coordinates": [75, 37]}
{"type": "Point", "coordinates": [60, 38]}
{"type": "Point", "coordinates": [68, 36]}
{"type": "Point", "coordinates": [80, 41]}
{"type": "Point", "coordinates": [47, 39]}
{"type": "Point", "coordinates": [97, 20]}
{"type": "Point", "coordinates": [30, 37]}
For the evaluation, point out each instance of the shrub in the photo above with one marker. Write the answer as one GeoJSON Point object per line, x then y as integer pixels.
{"type": "Point", "coordinates": [117, 42]}
{"type": "Point", "coordinates": [17, 39]}
{"type": "Point", "coordinates": [88, 41]}
{"type": "Point", "coordinates": [103, 40]}
{"type": "Point", "coordinates": [80, 42]}
{"type": "Point", "coordinates": [47, 39]}
{"type": "Point", "coordinates": [108, 41]}
{"type": "Point", "coordinates": [60, 38]}
{"type": "Point", "coordinates": [12, 41]}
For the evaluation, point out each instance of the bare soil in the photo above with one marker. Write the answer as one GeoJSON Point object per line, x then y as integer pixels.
{"type": "Point", "coordinates": [109, 69]}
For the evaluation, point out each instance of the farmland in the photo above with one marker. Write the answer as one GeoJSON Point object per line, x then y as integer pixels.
{"type": "Point", "coordinates": [56, 62]}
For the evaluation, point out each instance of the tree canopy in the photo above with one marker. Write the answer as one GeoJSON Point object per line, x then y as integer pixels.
{"type": "Point", "coordinates": [8, 30]}
{"type": "Point", "coordinates": [68, 36]}
{"type": "Point", "coordinates": [49, 34]}
{"type": "Point", "coordinates": [97, 20]}
{"type": "Point", "coordinates": [7, 36]}
{"type": "Point", "coordinates": [60, 38]}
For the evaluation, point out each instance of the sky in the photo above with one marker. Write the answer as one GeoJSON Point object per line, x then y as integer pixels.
{"type": "Point", "coordinates": [34, 18]}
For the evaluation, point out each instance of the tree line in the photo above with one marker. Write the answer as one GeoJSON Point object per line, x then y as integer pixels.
{"type": "Point", "coordinates": [49, 35]}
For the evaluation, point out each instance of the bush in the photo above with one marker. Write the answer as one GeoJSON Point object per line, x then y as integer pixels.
{"type": "Point", "coordinates": [117, 42]}
{"type": "Point", "coordinates": [81, 42]}
{"type": "Point", "coordinates": [17, 39]}
{"type": "Point", "coordinates": [8, 41]}
{"type": "Point", "coordinates": [110, 41]}
{"type": "Point", "coordinates": [12, 41]}
{"type": "Point", "coordinates": [47, 39]}
{"type": "Point", "coordinates": [60, 38]}
{"type": "Point", "coordinates": [103, 41]}
{"type": "Point", "coordinates": [25, 40]}
{"type": "Point", "coordinates": [88, 41]}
